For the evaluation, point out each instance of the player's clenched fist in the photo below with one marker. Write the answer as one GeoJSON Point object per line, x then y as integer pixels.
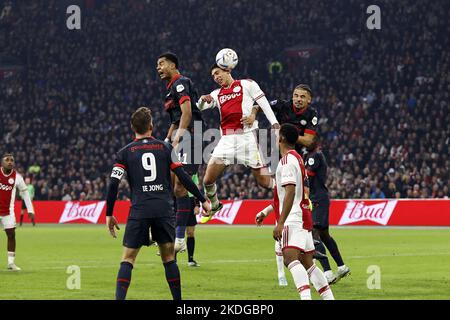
{"type": "Point", "coordinates": [111, 223]}
{"type": "Point", "coordinates": [207, 98]}
{"type": "Point", "coordinates": [260, 218]}
{"type": "Point", "coordinates": [206, 208]}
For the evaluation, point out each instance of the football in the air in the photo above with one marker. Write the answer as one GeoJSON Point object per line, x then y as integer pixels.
{"type": "Point", "coordinates": [227, 59]}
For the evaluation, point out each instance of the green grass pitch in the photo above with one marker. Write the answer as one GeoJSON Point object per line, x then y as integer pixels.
{"type": "Point", "coordinates": [236, 263]}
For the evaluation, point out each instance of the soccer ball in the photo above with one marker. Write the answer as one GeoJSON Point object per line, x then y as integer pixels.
{"type": "Point", "coordinates": [227, 59]}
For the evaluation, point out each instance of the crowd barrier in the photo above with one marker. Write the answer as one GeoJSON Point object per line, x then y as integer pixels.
{"type": "Point", "coordinates": [404, 212]}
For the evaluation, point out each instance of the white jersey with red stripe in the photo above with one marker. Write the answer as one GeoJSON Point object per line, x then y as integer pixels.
{"type": "Point", "coordinates": [236, 102]}
{"type": "Point", "coordinates": [8, 186]}
{"type": "Point", "coordinates": [291, 170]}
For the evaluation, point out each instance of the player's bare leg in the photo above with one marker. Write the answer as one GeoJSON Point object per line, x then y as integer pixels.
{"type": "Point", "coordinates": [182, 214]}
{"type": "Point", "coordinates": [21, 217]}
{"type": "Point", "coordinates": [214, 170]}
{"type": "Point", "coordinates": [316, 276]}
{"type": "Point", "coordinates": [171, 268]}
{"type": "Point", "coordinates": [299, 274]}
{"type": "Point", "coordinates": [124, 276]}
{"type": "Point", "coordinates": [11, 235]}
{"type": "Point", "coordinates": [264, 178]}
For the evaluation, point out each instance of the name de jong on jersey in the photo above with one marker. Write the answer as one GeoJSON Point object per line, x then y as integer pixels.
{"type": "Point", "coordinates": [147, 163]}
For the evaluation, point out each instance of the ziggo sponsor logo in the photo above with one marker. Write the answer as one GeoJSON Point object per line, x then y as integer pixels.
{"type": "Point", "coordinates": [5, 188]}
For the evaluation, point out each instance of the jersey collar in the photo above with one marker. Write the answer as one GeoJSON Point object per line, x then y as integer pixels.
{"type": "Point", "coordinates": [4, 174]}
{"type": "Point", "coordinates": [174, 78]}
{"type": "Point", "coordinates": [151, 138]}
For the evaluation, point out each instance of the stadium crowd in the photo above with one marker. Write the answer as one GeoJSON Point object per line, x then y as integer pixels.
{"type": "Point", "coordinates": [382, 95]}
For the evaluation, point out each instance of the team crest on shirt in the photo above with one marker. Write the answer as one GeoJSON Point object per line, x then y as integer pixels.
{"type": "Point", "coordinates": [314, 120]}
{"type": "Point", "coordinates": [311, 161]}
{"type": "Point", "coordinates": [180, 88]}
{"type": "Point", "coordinates": [237, 89]}
{"type": "Point", "coordinates": [11, 181]}
{"type": "Point", "coordinates": [303, 122]}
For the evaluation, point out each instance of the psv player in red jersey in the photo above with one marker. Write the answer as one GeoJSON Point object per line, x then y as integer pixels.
{"type": "Point", "coordinates": [10, 181]}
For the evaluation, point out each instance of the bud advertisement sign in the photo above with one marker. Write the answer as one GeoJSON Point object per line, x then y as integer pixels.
{"type": "Point", "coordinates": [352, 212]}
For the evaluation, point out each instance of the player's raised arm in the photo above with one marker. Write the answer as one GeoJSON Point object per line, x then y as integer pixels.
{"type": "Point", "coordinates": [207, 101]}
{"type": "Point", "coordinates": [24, 194]}
{"type": "Point", "coordinates": [186, 181]}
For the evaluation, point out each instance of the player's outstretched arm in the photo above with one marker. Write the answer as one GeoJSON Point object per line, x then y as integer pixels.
{"type": "Point", "coordinates": [206, 102]}
{"type": "Point", "coordinates": [190, 186]}
{"type": "Point", "coordinates": [259, 97]}
{"type": "Point", "coordinates": [265, 106]}
{"type": "Point", "coordinates": [263, 214]}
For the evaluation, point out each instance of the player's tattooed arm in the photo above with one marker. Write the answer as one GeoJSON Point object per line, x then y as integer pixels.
{"type": "Point", "coordinates": [186, 116]}
{"type": "Point", "coordinates": [248, 120]}
{"type": "Point", "coordinates": [170, 133]}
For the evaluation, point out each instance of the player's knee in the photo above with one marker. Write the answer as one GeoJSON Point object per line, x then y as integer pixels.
{"type": "Point", "coordinates": [287, 260]}
{"type": "Point", "coordinates": [129, 260]}
{"type": "Point", "coordinates": [207, 180]}
{"type": "Point", "coordinates": [190, 231]}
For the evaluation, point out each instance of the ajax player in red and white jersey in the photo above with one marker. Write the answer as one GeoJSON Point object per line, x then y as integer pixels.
{"type": "Point", "coordinates": [235, 100]}
{"type": "Point", "coordinates": [294, 224]}
{"type": "Point", "coordinates": [10, 181]}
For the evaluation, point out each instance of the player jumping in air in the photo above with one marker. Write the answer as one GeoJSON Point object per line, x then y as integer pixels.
{"type": "Point", "coordinates": [294, 224]}
{"type": "Point", "coordinates": [10, 181]}
{"type": "Point", "coordinates": [235, 100]}
{"type": "Point", "coordinates": [316, 166]}
{"type": "Point", "coordinates": [179, 97]}
{"type": "Point", "coordinates": [148, 163]}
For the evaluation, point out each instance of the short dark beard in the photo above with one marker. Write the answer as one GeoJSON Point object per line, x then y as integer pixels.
{"type": "Point", "coordinates": [6, 171]}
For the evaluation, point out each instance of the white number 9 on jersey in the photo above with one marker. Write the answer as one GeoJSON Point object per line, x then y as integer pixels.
{"type": "Point", "coordinates": [149, 164]}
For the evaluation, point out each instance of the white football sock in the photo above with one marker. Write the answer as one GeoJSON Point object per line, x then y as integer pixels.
{"type": "Point", "coordinates": [320, 282]}
{"type": "Point", "coordinates": [11, 257]}
{"type": "Point", "coordinates": [280, 265]}
{"type": "Point", "coordinates": [301, 280]}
